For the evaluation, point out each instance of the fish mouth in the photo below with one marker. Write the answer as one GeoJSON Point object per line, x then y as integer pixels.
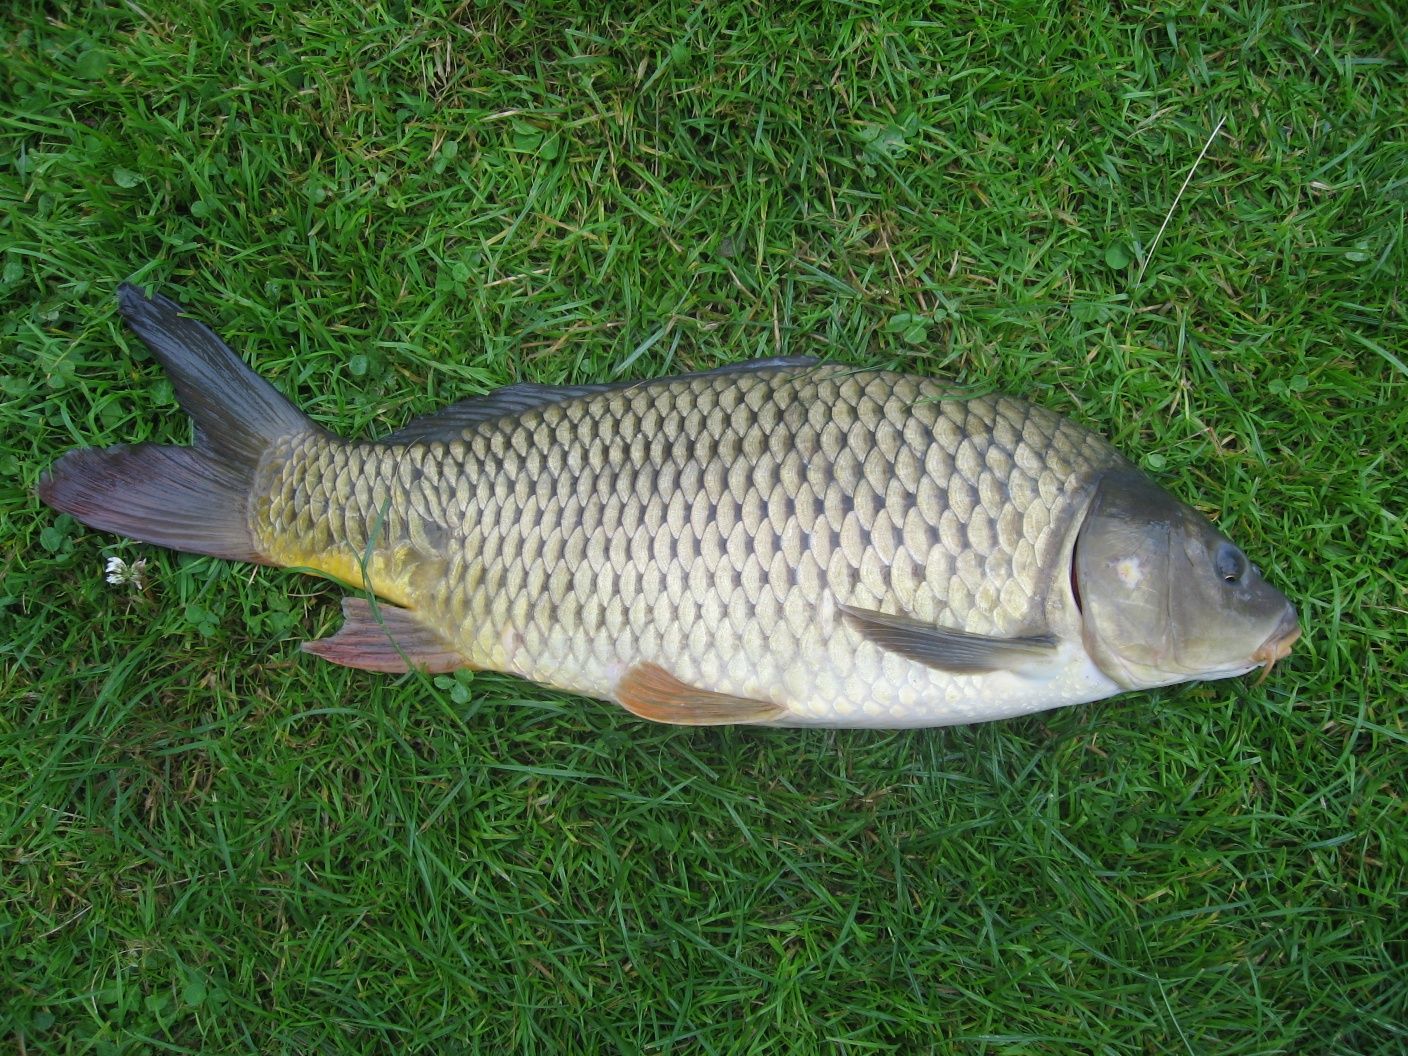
{"type": "Point", "coordinates": [1278, 644]}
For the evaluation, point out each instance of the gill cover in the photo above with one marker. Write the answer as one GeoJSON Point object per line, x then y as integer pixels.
{"type": "Point", "coordinates": [1164, 596]}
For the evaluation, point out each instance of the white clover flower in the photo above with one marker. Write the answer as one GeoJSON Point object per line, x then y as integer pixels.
{"type": "Point", "coordinates": [119, 572]}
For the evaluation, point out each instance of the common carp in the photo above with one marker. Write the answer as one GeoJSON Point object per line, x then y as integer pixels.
{"type": "Point", "coordinates": [782, 541]}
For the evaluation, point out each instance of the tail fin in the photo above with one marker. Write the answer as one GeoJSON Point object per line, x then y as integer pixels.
{"type": "Point", "coordinates": [188, 498]}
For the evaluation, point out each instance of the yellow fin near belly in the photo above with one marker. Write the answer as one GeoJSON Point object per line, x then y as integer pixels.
{"type": "Point", "coordinates": [386, 636]}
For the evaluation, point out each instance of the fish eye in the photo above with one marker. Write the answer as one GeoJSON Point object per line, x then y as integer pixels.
{"type": "Point", "coordinates": [1231, 563]}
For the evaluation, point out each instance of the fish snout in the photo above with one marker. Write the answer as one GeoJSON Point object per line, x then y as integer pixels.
{"type": "Point", "coordinates": [1278, 645]}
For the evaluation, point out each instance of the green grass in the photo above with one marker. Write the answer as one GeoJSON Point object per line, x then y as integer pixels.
{"type": "Point", "coordinates": [211, 842]}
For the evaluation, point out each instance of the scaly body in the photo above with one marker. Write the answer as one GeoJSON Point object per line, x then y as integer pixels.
{"type": "Point", "coordinates": [785, 542]}
{"type": "Point", "coordinates": [711, 525]}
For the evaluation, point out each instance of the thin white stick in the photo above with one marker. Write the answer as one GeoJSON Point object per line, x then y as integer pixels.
{"type": "Point", "coordinates": [1144, 266]}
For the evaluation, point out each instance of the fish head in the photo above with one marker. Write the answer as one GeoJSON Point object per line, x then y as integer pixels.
{"type": "Point", "coordinates": [1165, 597]}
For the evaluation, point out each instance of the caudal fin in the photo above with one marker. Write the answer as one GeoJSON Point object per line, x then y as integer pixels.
{"type": "Point", "coordinates": [188, 498]}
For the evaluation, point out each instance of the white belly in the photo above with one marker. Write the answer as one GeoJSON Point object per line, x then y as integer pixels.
{"type": "Point", "coordinates": [903, 693]}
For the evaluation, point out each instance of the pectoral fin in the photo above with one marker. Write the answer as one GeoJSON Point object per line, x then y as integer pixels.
{"type": "Point", "coordinates": [651, 692]}
{"type": "Point", "coordinates": [956, 652]}
{"type": "Point", "coordinates": [390, 639]}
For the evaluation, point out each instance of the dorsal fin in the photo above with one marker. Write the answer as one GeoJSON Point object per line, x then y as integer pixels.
{"type": "Point", "coordinates": [957, 652]}
{"type": "Point", "coordinates": [451, 423]}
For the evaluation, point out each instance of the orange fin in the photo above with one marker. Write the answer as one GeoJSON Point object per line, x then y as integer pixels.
{"type": "Point", "coordinates": [390, 639]}
{"type": "Point", "coordinates": [653, 693]}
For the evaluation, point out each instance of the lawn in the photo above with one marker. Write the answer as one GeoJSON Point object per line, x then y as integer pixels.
{"type": "Point", "coordinates": [212, 842]}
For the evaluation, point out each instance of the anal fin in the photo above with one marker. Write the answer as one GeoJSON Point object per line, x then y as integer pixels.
{"type": "Point", "coordinates": [650, 692]}
{"type": "Point", "coordinates": [389, 639]}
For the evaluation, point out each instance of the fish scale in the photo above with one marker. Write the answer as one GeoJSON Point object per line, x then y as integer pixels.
{"type": "Point", "coordinates": [710, 525]}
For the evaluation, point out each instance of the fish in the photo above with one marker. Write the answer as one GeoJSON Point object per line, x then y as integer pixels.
{"type": "Point", "coordinates": [783, 542]}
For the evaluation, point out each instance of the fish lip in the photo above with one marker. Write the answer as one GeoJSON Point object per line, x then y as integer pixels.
{"type": "Point", "coordinates": [1278, 644]}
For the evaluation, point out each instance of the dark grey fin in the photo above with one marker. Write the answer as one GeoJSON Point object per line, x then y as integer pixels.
{"type": "Point", "coordinates": [452, 422]}
{"type": "Point", "coordinates": [749, 366]}
{"type": "Point", "coordinates": [389, 639]}
{"type": "Point", "coordinates": [179, 497]}
{"type": "Point", "coordinates": [651, 692]}
{"type": "Point", "coordinates": [188, 498]}
{"type": "Point", "coordinates": [956, 652]}
{"type": "Point", "coordinates": [237, 413]}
